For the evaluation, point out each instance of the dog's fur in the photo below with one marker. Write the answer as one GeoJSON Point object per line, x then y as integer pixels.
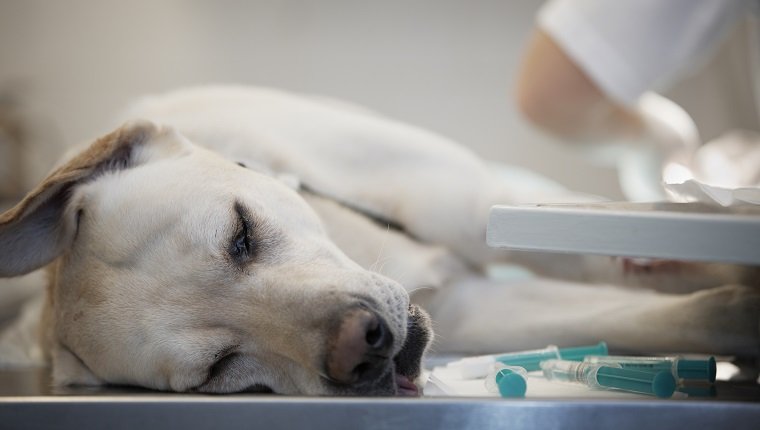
{"type": "Point", "coordinates": [342, 211]}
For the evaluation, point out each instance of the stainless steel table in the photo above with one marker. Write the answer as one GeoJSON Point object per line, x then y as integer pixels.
{"type": "Point", "coordinates": [27, 402]}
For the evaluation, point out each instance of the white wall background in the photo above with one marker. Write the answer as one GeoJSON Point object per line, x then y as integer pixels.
{"type": "Point", "coordinates": [442, 64]}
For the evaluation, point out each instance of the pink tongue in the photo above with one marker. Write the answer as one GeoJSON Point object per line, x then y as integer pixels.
{"type": "Point", "coordinates": [406, 387]}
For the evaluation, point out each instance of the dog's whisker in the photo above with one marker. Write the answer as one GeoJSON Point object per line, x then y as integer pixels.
{"type": "Point", "coordinates": [378, 265]}
{"type": "Point", "coordinates": [382, 265]}
{"type": "Point", "coordinates": [422, 287]}
{"type": "Point", "coordinates": [382, 248]}
{"type": "Point", "coordinates": [397, 274]}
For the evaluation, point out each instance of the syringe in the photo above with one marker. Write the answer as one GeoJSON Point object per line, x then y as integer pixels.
{"type": "Point", "coordinates": [478, 366]}
{"type": "Point", "coordinates": [679, 367]}
{"type": "Point", "coordinates": [660, 384]}
{"type": "Point", "coordinates": [507, 381]}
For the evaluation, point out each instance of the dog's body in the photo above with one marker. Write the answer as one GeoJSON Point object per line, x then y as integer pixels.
{"type": "Point", "coordinates": [174, 268]}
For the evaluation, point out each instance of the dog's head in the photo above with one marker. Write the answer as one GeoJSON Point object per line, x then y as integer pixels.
{"type": "Point", "coordinates": [175, 269]}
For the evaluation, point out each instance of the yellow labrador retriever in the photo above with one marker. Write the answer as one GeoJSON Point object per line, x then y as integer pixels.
{"type": "Point", "coordinates": [243, 239]}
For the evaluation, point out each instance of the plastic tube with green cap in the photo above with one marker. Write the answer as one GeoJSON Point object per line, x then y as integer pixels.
{"type": "Point", "coordinates": [660, 383]}
{"type": "Point", "coordinates": [507, 381]}
{"type": "Point", "coordinates": [681, 368]}
{"type": "Point", "coordinates": [478, 366]}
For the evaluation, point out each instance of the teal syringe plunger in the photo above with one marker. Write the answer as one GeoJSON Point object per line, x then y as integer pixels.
{"type": "Point", "coordinates": [660, 384]}
{"type": "Point", "coordinates": [478, 367]}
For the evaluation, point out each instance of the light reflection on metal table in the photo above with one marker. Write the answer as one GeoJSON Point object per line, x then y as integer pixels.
{"type": "Point", "coordinates": [28, 402]}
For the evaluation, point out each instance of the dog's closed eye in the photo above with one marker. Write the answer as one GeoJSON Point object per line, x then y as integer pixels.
{"type": "Point", "coordinates": [243, 247]}
{"type": "Point", "coordinates": [253, 239]}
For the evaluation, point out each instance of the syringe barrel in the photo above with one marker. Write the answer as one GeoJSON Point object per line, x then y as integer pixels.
{"type": "Point", "coordinates": [661, 384]}
{"type": "Point", "coordinates": [566, 371]}
{"type": "Point", "coordinates": [679, 367]}
{"type": "Point", "coordinates": [652, 364]}
{"type": "Point", "coordinates": [478, 366]}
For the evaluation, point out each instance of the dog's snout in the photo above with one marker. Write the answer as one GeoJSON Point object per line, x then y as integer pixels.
{"type": "Point", "coordinates": [360, 348]}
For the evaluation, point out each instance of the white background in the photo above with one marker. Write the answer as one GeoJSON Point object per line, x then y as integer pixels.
{"type": "Point", "coordinates": [446, 65]}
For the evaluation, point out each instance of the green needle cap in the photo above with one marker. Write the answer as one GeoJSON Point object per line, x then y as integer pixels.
{"type": "Point", "coordinates": [510, 383]}
{"type": "Point", "coordinates": [528, 360]}
{"type": "Point", "coordinates": [661, 384]}
{"type": "Point", "coordinates": [578, 353]}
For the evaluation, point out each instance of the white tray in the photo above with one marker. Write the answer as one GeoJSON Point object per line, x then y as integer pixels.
{"type": "Point", "coordinates": [680, 231]}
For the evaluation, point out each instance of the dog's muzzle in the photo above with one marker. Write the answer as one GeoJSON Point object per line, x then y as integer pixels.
{"type": "Point", "coordinates": [359, 355]}
{"type": "Point", "coordinates": [360, 349]}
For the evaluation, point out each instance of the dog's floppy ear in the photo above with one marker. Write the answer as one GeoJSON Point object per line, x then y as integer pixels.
{"type": "Point", "coordinates": [38, 229]}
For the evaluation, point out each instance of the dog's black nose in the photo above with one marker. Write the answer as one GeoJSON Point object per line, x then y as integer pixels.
{"type": "Point", "coordinates": [360, 348]}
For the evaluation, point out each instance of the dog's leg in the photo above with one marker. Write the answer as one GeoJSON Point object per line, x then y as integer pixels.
{"type": "Point", "coordinates": [677, 277]}
{"type": "Point", "coordinates": [385, 250]}
{"type": "Point", "coordinates": [477, 315]}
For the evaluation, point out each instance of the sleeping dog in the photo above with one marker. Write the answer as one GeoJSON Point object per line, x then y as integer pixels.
{"type": "Point", "coordinates": [234, 239]}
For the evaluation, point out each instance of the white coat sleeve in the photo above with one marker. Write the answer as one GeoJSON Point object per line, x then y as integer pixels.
{"type": "Point", "coordinates": [630, 46]}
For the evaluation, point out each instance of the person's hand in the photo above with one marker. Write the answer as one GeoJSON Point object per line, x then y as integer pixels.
{"type": "Point", "coordinates": [662, 153]}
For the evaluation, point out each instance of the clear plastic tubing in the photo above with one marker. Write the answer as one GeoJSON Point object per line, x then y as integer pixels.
{"type": "Point", "coordinates": [507, 381]}
{"type": "Point", "coordinates": [657, 383]}
{"type": "Point", "coordinates": [681, 368]}
{"type": "Point", "coordinates": [478, 366]}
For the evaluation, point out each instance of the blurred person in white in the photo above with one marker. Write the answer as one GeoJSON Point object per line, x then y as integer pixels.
{"type": "Point", "coordinates": [591, 73]}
